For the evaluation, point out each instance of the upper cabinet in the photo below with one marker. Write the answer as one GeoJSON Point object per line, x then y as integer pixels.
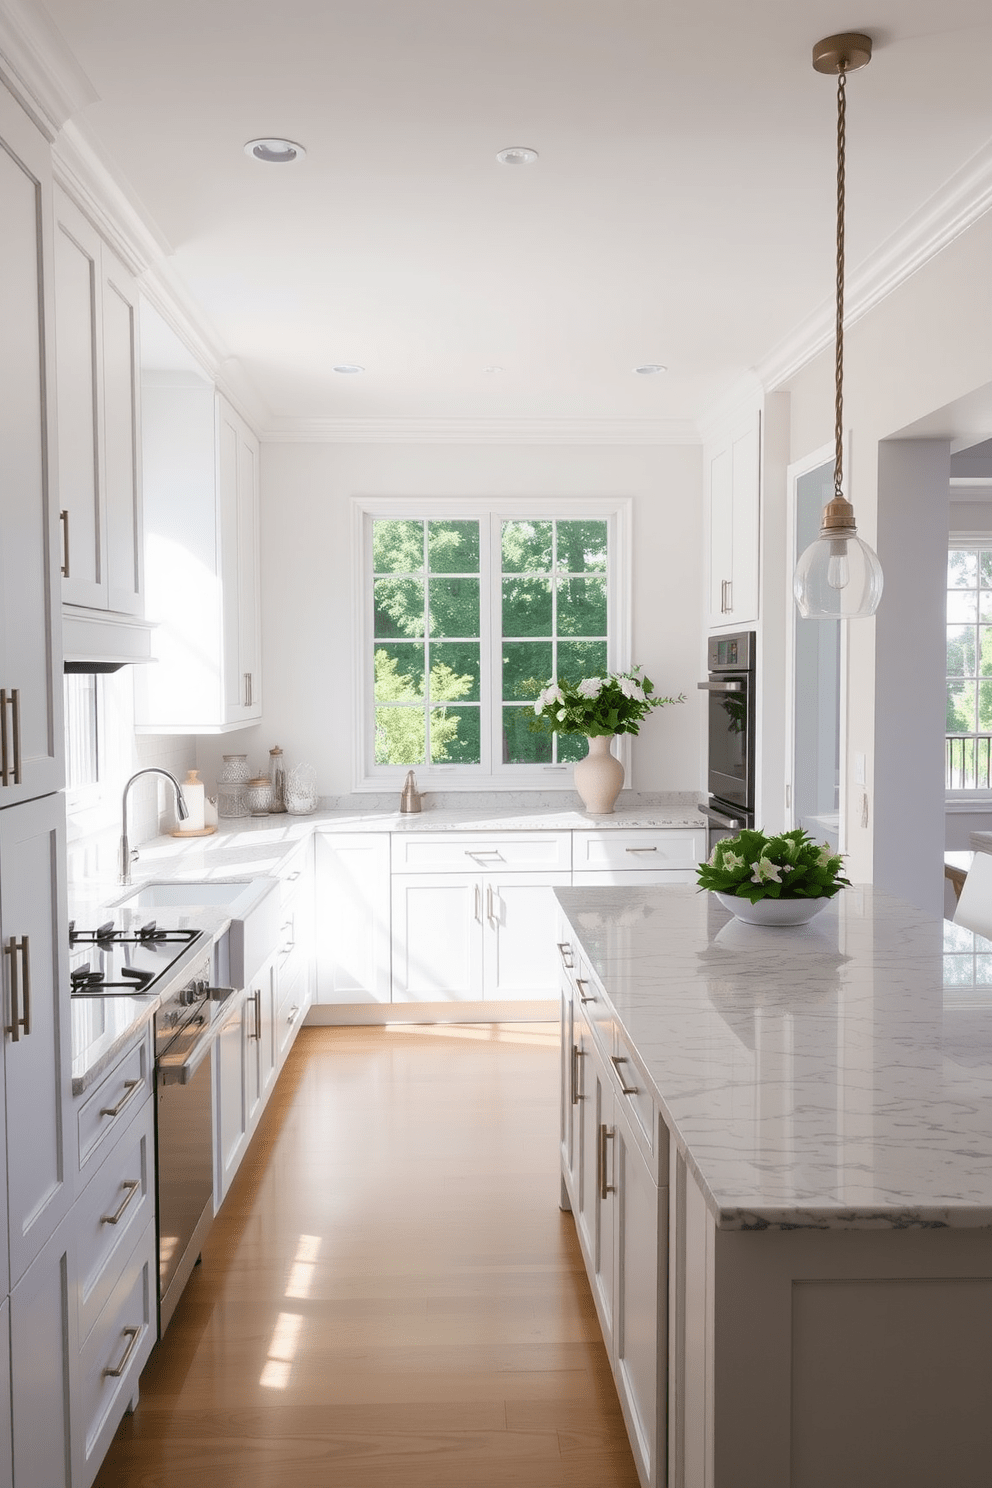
{"type": "Point", "coordinates": [31, 747]}
{"type": "Point", "coordinates": [96, 335]}
{"type": "Point", "coordinates": [733, 469]}
{"type": "Point", "coordinates": [200, 472]}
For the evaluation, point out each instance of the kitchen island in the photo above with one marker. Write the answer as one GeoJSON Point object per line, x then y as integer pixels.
{"type": "Point", "coordinates": [777, 1147]}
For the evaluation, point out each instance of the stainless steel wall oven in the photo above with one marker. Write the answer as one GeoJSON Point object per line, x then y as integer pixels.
{"type": "Point", "coordinates": [730, 734]}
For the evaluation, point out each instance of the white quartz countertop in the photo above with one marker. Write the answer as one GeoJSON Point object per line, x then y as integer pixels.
{"type": "Point", "coordinates": [831, 1076]}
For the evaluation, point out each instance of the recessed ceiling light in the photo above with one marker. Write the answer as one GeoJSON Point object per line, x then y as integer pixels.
{"type": "Point", "coordinates": [650, 369]}
{"type": "Point", "coordinates": [348, 367]}
{"type": "Point", "coordinates": [517, 155]}
{"type": "Point", "coordinates": [274, 151]}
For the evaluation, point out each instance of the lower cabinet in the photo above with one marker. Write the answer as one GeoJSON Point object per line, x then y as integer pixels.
{"type": "Point", "coordinates": [614, 1178]}
{"type": "Point", "coordinates": [249, 1051]}
{"type": "Point", "coordinates": [43, 1348]}
{"type": "Point", "coordinates": [466, 937]}
{"type": "Point", "coordinates": [352, 899]}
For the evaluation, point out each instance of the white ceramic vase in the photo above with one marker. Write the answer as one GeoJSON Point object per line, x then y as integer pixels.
{"type": "Point", "coordinates": [773, 911]}
{"type": "Point", "coordinates": [599, 777]}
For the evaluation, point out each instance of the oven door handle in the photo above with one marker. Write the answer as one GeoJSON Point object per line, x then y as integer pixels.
{"type": "Point", "coordinates": [179, 1068]}
{"type": "Point", "coordinates": [721, 819]}
{"type": "Point", "coordinates": [719, 686]}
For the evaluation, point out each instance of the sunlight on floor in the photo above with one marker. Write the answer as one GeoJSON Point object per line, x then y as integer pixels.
{"type": "Point", "coordinates": [545, 1034]}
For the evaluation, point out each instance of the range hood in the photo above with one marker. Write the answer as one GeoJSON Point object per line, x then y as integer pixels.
{"type": "Point", "coordinates": [99, 641]}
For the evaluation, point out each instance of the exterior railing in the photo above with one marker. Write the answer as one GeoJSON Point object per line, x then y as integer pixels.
{"type": "Point", "coordinates": [968, 762]}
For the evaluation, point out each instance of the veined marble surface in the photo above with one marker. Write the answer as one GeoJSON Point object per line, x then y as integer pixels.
{"type": "Point", "coordinates": [832, 1076]}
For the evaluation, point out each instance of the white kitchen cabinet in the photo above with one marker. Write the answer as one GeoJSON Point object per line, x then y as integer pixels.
{"type": "Point", "coordinates": [614, 1175]}
{"type": "Point", "coordinates": [37, 1056]}
{"type": "Point", "coordinates": [43, 1348]}
{"type": "Point", "coordinates": [6, 1443]}
{"type": "Point", "coordinates": [351, 907]}
{"type": "Point", "coordinates": [734, 484]}
{"type": "Point", "coordinates": [230, 1106]}
{"type": "Point", "coordinates": [200, 475]}
{"type": "Point", "coordinates": [636, 857]}
{"type": "Point", "coordinates": [96, 337]}
{"type": "Point", "coordinates": [31, 745]}
{"type": "Point", "coordinates": [259, 1042]}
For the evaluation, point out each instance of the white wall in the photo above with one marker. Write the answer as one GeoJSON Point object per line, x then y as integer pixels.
{"type": "Point", "coordinates": [309, 583]}
{"type": "Point", "coordinates": [925, 347]}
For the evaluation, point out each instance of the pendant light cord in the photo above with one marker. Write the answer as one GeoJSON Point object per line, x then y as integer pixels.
{"type": "Point", "coordinates": [839, 332]}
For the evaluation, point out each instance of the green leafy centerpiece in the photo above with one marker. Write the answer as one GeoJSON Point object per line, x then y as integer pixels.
{"type": "Point", "coordinates": [598, 707]}
{"type": "Point", "coordinates": [781, 880]}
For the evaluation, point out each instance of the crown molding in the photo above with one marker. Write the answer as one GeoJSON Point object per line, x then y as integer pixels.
{"type": "Point", "coordinates": [39, 68]}
{"type": "Point", "coordinates": [958, 205]}
{"type": "Point", "coordinates": [480, 431]}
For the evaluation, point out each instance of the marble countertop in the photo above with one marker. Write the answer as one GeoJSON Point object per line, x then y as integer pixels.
{"type": "Point", "coordinates": [832, 1076]}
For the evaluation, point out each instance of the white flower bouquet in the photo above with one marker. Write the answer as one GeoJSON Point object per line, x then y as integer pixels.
{"type": "Point", "coordinates": [597, 706]}
{"type": "Point", "coordinates": [789, 866]}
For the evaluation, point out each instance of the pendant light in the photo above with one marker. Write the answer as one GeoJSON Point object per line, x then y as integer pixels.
{"type": "Point", "coordinates": [839, 577]}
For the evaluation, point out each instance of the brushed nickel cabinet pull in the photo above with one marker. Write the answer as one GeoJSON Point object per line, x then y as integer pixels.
{"type": "Point", "coordinates": [14, 1026]}
{"type": "Point", "coordinates": [131, 1186]}
{"type": "Point", "coordinates": [565, 952]}
{"type": "Point", "coordinates": [4, 752]}
{"type": "Point", "coordinates": [257, 1000]}
{"type": "Point", "coordinates": [605, 1189]}
{"type": "Point", "coordinates": [293, 1014]}
{"type": "Point", "coordinates": [478, 904]}
{"type": "Point", "coordinates": [132, 1335]}
{"type": "Point", "coordinates": [640, 849]}
{"type": "Point", "coordinates": [130, 1086]}
{"type": "Point", "coordinates": [10, 774]}
{"type": "Point", "coordinates": [491, 915]}
{"type": "Point", "coordinates": [15, 719]}
{"type": "Point", "coordinates": [64, 519]}
{"type": "Point", "coordinates": [616, 1061]}
{"type": "Point", "coordinates": [577, 1054]}
{"type": "Point", "coordinates": [25, 985]}
{"type": "Point", "coordinates": [581, 982]}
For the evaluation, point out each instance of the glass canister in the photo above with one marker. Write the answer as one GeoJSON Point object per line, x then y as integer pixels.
{"type": "Point", "coordinates": [277, 776]}
{"type": "Point", "coordinates": [232, 798]}
{"type": "Point", "coordinates": [301, 790]}
{"type": "Point", "coordinates": [234, 769]}
{"type": "Point", "coordinates": [258, 795]}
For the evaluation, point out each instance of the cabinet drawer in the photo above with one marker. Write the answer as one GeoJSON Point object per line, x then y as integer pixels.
{"type": "Point", "coordinates": [116, 1204]}
{"type": "Point", "coordinates": [293, 1004]}
{"type": "Point", "coordinates": [112, 1358]}
{"type": "Point", "coordinates": [634, 852]}
{"type": "Point", "coordinates": [460, 852]}
{"type": "Point", "coordinates": [633, 1095]}
{"type": "Point", "coordinates": [114, 1101]}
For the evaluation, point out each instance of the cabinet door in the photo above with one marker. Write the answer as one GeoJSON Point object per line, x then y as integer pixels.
{"type": "Point", "coordinates": [721, 535]}
{"type": "Point", "coordinates": [521, 960]}
{"type": "Point", "coordinates": [30, 636]}
{"type": "Point", "coordinates": [437, 937]}
{"type": "Point", "coordinates": [641, 1300]}
{"type": "Point", "coordinates": [734, 481]}
{"type": "Point", "coordinates": [6, 1444]}
{"type": "Point", "coordinates": [351, 899]}
{"type": "Point", "coordinates": [230, 1113]}
{"type": "Point", "coordinates": [599, 1190]}
{"type": "Point", "coordinates": [79, 361]}
{"type": "Point", "coordinates": [37, 1054]}
{"type": "Point", "coordinates": [122, 454]}
{"type": "Point", "coordinates": [237, 488]}
{"type": "Point", "coordinates": [43, 1343]}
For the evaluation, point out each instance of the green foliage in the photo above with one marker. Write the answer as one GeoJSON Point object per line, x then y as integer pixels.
{"type": "Point", "coordinates": [597, 706]}
{"type": "Point", "coordinates": [400, 732]}
{"type": "Point", "coordinates": [789, 866]}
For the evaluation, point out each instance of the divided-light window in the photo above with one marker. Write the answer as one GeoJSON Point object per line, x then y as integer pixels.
{"type": "Point", "coordinates": [470, 618]}
{"type": "Point", "coordinates": [968, 743]}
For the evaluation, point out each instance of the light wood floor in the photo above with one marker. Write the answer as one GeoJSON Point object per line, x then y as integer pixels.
{"type": "Point", "coordinates": [390, 1295]}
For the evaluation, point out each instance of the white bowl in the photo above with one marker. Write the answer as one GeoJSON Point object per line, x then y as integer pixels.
{"type": "Point", "coordinates": [773, 911]}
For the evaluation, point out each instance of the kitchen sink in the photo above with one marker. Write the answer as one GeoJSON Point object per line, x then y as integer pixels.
{"type": "Point", "coordinates": [238, 895]}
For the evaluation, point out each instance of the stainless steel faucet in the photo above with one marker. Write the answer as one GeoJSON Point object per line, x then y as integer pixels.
{"type": "Point", "coordinates": [128, 854]}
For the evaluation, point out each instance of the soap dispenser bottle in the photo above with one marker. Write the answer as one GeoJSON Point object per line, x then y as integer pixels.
{"type": "Point", "coordinates": [410, 795]}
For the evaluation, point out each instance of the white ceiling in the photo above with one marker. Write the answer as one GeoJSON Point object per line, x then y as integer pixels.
{"type": "Point", "coordinates": [681, 210]}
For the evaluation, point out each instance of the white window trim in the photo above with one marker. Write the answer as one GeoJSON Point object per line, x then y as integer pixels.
{"type": "Point", "coordinates": [968, 801]}
{"type": "Point", "coordinates": [616, 510]}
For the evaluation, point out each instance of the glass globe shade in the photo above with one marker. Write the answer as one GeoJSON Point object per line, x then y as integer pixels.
{"type": "Point", "coordinates": [837, 578]}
